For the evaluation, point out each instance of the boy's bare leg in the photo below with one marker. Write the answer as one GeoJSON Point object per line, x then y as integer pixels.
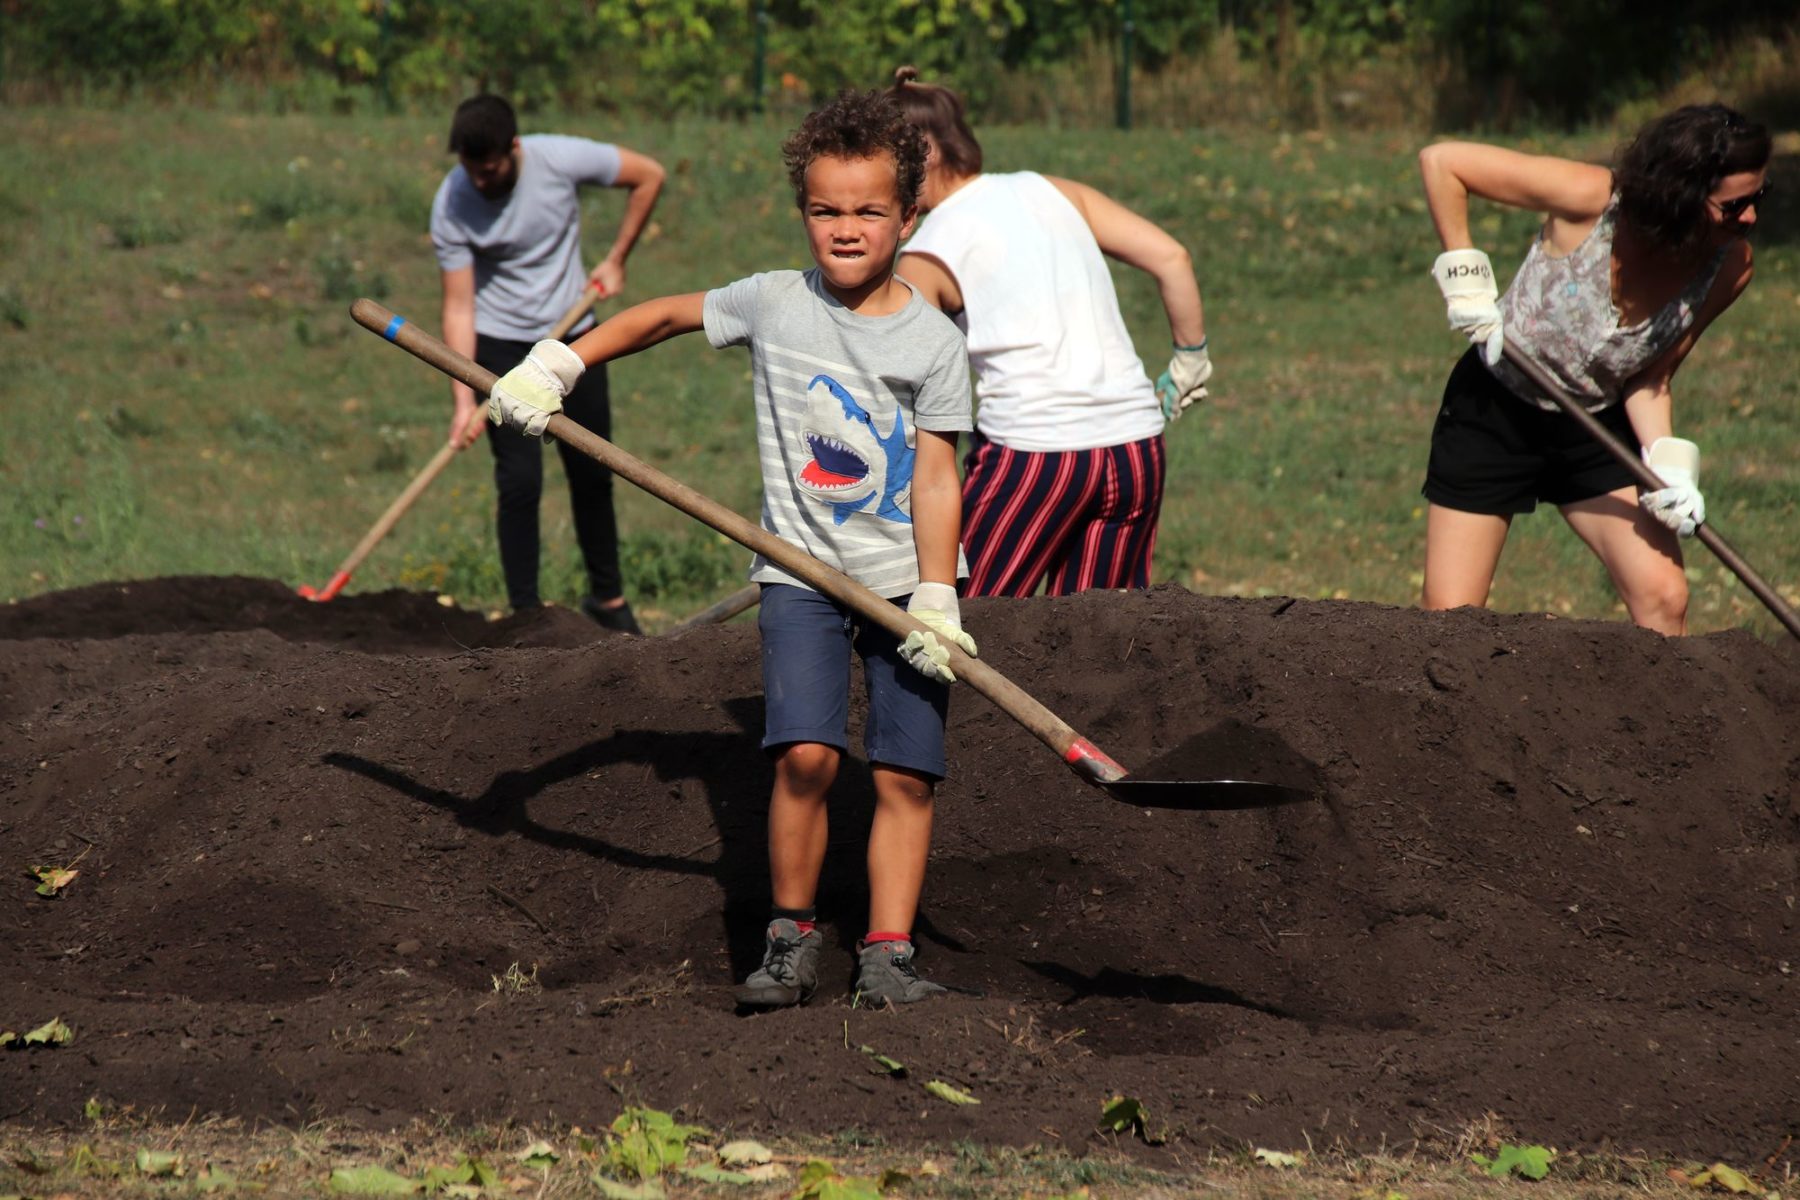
{"type": "Point", "coordinates": [899, 841]}
{"type": "Point", "coordinates": [799, 822]}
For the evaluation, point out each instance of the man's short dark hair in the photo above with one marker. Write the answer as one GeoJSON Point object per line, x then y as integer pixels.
{"type": "Point", "coordinates": [484, 127]}
{"type": "Point", "coordinates": [858, 125]}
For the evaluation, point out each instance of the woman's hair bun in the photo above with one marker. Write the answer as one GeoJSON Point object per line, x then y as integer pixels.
{"type": "Point", "coordinates": [905, 74]}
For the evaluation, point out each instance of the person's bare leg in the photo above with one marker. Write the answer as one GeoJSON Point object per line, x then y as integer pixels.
{"type": "Point", "coordinates": [1462, 550]}
{"type": "Point", "coordinates": [1642, 555]}
{"type": "Point", "coordinates": [799, 821]}
{"type": "Point", "coordinates": [899, 842]}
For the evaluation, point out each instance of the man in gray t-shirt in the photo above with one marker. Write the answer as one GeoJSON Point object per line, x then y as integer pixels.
{"type": "Point", "coordinates": [506, 226]}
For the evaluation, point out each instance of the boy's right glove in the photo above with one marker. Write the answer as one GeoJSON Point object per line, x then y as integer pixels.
{"type": "Point", "coordinates": [1184, 383]}
{"type": "Point", "coordinates": [1466, 278]}
{"type": "Point", "coordinates": [934, 606]}
{"type": "Point", "coordinates": [1680, 505]}
{"type": "Point", "coordinates": [527, 396]}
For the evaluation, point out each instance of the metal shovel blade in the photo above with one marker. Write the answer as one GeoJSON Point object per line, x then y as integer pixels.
{"type": "Point", "coordinates": [1208, 795]}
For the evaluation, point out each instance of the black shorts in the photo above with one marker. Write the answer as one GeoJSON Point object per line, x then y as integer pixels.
{"type": "Point", "coordinates": [1492, 452]}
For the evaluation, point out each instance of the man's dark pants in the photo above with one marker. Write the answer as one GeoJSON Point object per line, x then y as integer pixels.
{"type": "Point", "coordinates": [519, 479]}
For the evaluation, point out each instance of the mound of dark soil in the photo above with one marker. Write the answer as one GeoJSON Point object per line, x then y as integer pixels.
{"type": "Point", "coordinates": [1552, 875]}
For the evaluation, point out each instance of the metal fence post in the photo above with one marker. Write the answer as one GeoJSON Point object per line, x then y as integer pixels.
{"type": "Point", "coordinates": [760, 41]}
{"type": "Point", "coordinates": [1126, 29]}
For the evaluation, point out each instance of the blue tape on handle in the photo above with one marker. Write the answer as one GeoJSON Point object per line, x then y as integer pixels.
{"type": "Point", "coordinates": [393, 327]}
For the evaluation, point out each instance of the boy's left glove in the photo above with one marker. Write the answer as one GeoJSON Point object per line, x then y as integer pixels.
{"type": "Point", "coordinates": [1184, 383]}
{"type": "Point", "coordinates": [934, 606]}
{"type": "Point", "coordinates": [527, 396]}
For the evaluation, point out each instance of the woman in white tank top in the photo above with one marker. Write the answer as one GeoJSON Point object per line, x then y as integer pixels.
{"type": "Point", "coordinates": [1064, 484]}
{"type": "Point", "coordinates": [1631, 266]}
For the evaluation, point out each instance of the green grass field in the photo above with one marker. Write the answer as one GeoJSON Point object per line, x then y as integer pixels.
{"type": "Point", "coordinates": [187, 394]}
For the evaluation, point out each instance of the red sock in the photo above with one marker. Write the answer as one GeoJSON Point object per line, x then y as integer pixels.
{"type": "Point", "coordinates": [885, 935]}
{"type": "Point", "coordinates": [803, 918]}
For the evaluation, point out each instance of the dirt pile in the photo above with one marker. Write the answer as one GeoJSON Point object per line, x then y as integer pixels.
{"type": "Point", "coordinates": [1554, 876]}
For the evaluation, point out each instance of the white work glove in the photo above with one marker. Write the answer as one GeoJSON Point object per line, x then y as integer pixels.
{"type": "Point", "coordinates": [1466, 278]}
{"type": "Point", "coordinates": [1680, 505]}
{"type": "Point", "coordinates": [527, 396]}
{"type": "Point", "coordinates": [934, 606]}
{"type": "Point", "coordinates": [1184, 383]}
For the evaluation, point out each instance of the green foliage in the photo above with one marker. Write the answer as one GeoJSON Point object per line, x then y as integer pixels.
{"type": "Point", "coordinates": [1527, 1162]}
{"type": "Point", "coordinates": [470, 1172]}
{"type": "Point", "coordinates": [1122, 1114]}
{"type": "Point", "coordinates": [163, 1164]}
{"type": "Point", "coordinates": [695, 562]}
{"type": "Point", "coordinates": [13, 311]}
{"type": "Point", "coordinates": [881, 1064]}
{"type": "Point", "coordinates": [1562, 59]}
{"type": "Point", "coordinates": [820, 1180]}
{"type": "Point", "coordinates": [143, 228]}
{"type": "Point", "coordinates": [344, 277]}
{"type": "Point", "coordinates": [944, 1091]}
{"type": "Point", "coordinates": [644, 1143]}
{"type": "Point", "coordinates": [370, 1181]}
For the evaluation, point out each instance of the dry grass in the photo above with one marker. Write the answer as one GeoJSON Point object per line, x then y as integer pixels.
{"type": "Point", "coordinates": [225, 1157]}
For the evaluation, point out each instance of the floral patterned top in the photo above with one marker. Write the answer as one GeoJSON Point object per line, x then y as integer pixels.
{"type": "Point", "coordinates": [1559, 310]}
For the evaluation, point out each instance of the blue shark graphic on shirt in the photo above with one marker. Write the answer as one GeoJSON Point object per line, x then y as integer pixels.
{"type": "Point", "coordinates": [852, 465]}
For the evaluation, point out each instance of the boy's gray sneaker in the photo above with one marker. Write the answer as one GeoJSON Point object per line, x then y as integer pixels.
{"type": "Point", "coordinates": [789, 971]}
{"type": "Point", "coordinates": [885, 975]}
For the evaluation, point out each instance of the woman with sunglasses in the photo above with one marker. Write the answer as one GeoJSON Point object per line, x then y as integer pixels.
{"type": "Point", "coordinates": [1631, 265]}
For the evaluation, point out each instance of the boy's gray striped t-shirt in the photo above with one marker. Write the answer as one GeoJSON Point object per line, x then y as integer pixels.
{"type": "Point", "coordinates": [839, 398]}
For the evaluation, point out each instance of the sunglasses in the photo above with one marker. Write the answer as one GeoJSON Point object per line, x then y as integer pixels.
{"type": "Point", "coordinates": [1731, 210]}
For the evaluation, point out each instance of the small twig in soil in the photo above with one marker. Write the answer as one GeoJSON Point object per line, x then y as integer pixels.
{"type": "Point", "coordinates": [520, 905]}
{"type": "Point", "coordinates": [384, 903]}
{"type": "Point", "coordinates": [1769, 1162]}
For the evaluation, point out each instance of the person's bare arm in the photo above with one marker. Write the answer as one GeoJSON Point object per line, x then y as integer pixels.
{"type": "Point", "coordinates": [643, 176]}
{"type": "Point", "coordinates": [1649, 399]}
{"type": "Point", "coordinates": [641, 326]}
{"type": "Point", "coordinates": [458, 325]}
{"type": "Point", "coordinates": [936, 507]}
{"type": "Point", "coordinates": [1559, 187]}
{"type": "Point", "coordinates": [934, 281]}
{"type": "Point", "coordinates": [1141, 243]}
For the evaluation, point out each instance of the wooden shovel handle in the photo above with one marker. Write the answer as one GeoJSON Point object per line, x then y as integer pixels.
{"type": "Point", "coordinates": [589, 296]}
{"type": "Point", "coordinates": [739, 601]}
{"type": "Point", "coordinates": [1079, 753]}
{"type": "Point", "coordinates": [1711, 538]}
{"type": "Point", "coordinates": [397, 509]}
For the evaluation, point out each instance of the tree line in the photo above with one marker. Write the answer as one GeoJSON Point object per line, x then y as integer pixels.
{"type": "Point", "coordinates": [1492, 61]}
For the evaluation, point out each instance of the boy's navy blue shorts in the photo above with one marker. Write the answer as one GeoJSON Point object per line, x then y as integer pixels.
{"type": "Point", "coordinates": [1494, 453]}
{"type": "Point", "coordinates": [807, 639]}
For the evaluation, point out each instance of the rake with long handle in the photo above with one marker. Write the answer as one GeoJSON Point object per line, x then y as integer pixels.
{"type": "Point", "coordinates": [1707, 535]}
{"type": "Point", "coordinates": [380, 529]}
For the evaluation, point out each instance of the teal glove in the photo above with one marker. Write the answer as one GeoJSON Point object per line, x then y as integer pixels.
{"type": "Point", "coordinates": [1184, 383]}
{"type": "Point", "coordinates": [934, 606]}
{"type": "Point", "coordinates": [527, 396]}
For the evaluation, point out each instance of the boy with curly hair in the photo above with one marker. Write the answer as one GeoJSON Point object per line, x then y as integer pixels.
{"type": "Point", "coordinates": [861, 389]}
